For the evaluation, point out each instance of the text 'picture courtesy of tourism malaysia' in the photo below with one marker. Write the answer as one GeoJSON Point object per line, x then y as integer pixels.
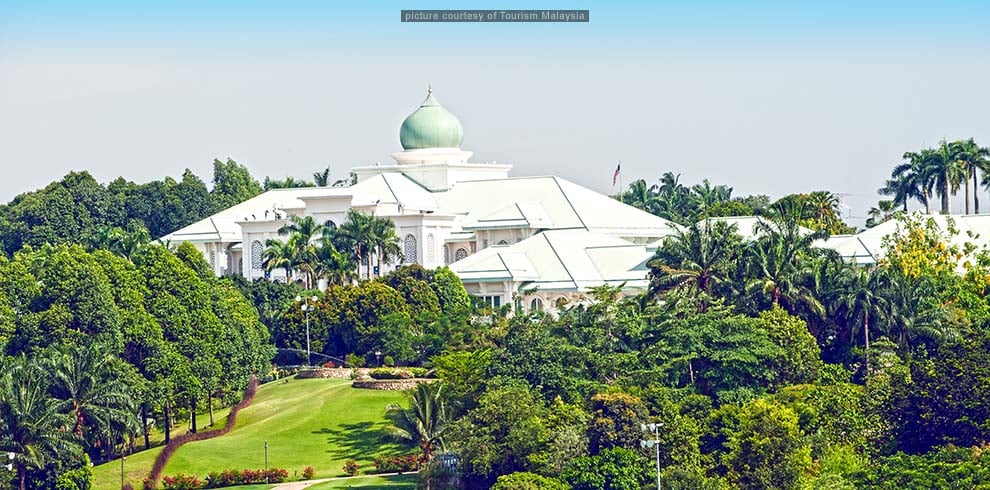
{"type": "Point", "coordinates": [601, 246]}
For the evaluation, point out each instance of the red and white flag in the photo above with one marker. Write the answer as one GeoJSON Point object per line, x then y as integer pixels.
{"type": "Point", "coordinates": [615, 176]}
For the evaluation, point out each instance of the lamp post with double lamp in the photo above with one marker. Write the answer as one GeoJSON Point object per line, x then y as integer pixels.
{"type": "Point", "coordinates": [655, 443]}
{"type": "Point", "coordinates": [307, 304]}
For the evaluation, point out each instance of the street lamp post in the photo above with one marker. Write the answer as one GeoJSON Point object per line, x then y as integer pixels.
{"type": "Point", "coordinates": [655, 443]}
{"type": "Point", "coordinates": [378, 357]}
{"type": "Point", "coordinates": [122, 459]}
{"type": "Point", "coordinates": [306, 306]}
{"type": "Point", "coordinates": [266, 462]}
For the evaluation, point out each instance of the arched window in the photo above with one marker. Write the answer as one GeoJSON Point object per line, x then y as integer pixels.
{"type": "Point", "coordinates": [561, 302]}
{"type": "Point", "coordinates": [536, 305]}
{"type": "Point", "coordinates": [502, 243]}
{"type": "Point", "coordinates": [460, 254]}
{"type": "Point", "coordinates": [409, 249]}
{"type": "Point", "coordinates": [330, 224]}
{"type": "Point", "coordinates": [257, 250]}
{"type": "Point", "coordinates": [446, 254]}
{"type": "Point", "coordinates": [213, 259]}
{"type": "Point", "coordinates": [431, 245]}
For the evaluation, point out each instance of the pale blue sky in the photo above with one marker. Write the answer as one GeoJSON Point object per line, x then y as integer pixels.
{"type": "Point", "coordinates": [769, 97]}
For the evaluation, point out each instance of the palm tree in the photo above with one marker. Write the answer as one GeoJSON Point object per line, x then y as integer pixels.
{"type": "Point", "coordinates": [357, 235]}
{"type": "Point", "coordinates": [641, 195]}
{"type": "Point", "coordinates": [32, 425]}
{"type": "Point", "coordinates": [864, 302]}
{"type": "Point", "coordinates": [911, 179]}
{"type": "Point", "coordinates": [83, 377]}
{"type": "Point", "coordinates": [424, 422]}
{"type": "Point", "coordinates": [882, 212]}
{"type": "Point", "coordinates": [973, 160]}
{"type": "Point", "coordinates": [706, 195]}
{"type": "Point", "coordinates": [776, 257]}
{"type": "Point", "coordinates": [307, 226]}
{"type": "Point", "coordinates": [322, 178]}
{"type": "Point", "coordinates": [278, 254]}
{"type": "Point", "coordinates": [946, 170]}
{"type": "Point", "coordinates": [385, 241]}
{"type": "Point", "coordinates": [825, 208]}
{"type": "Point", "coordinates": [336, 266]}
{"type": "Point", "coordinates": [699, 258]}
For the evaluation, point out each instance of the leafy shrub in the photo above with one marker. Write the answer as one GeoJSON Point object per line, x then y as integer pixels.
{"type": "Point", "coordinates": [399, 373]}
{"type": "Point", "coordinates": [351, 467]}
{"type": "Point", "coordinates": [396, 464]}
{"type": "Point", "coordinates": [527, 481]}
{"type": "Point", "coordinates": [355, 361]}
{"type": "Point", "coordinates": [329, 364]}
{"type": "Point", "coordinates": [391, 373]}
{"type": "Point", "coordinates": [389, 361]}
{"type": "Point", "coordinates": [308, 473]}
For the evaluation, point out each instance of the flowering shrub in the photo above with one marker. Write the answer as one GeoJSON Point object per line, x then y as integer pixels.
{"type": "Point", "coordinates": [351, 468]}
{"type": "Point", "coordinates": [182, 482]}
{"type": "Point", "coordinates": [397, 464]}
{"type": "Point", "coordinates": [308, 473]}
{"type": "Point", "coordinates": [329, 364]}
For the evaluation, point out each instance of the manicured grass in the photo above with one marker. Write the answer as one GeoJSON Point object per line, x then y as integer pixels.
{"type": "Point", "coordinates": [392, 482]}
{"type": "Point", "coordinates": [307, 422]}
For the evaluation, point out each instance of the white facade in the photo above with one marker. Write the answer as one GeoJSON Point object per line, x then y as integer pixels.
{"type": "Point", "coordinates": [530, 241]}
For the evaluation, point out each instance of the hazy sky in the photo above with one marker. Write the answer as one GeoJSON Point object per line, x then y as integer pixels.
{"type": "Point", "coordinates": [770, 97]}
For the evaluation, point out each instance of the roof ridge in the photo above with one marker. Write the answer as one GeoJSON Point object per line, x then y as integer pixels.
{"type": "Point", "coordinates": [562, 264]}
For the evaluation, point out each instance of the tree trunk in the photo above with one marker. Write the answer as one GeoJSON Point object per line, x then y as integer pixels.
{"type": "Point", "coordinates": [691, 372]}
{"type": "Point", "coordinates": [776, 296]}
{"type": "Point", "coordinates": [928, 202]}
{"type": "Point", "coordinates": [968, 209]}
{"type": "Point", "coordinates": [209, 401]}
{"type": "Point", "coordinates": [945, 192]}
{"type": "Point", "coordinates": [369, 265]}
{"type": "Point", "coordinates": [22, 475]}
{"type": "Point", "coordinates": [866, 340]}
{"type": "Point", "coordinates": [192, 415]}
{"type": "Point", "coordinates": [144, 425]}
{"type": "Point", "coordinates": [976, 193]}
{"type": "Point", "coordinates": [168, 425]}
{"type": "Point", "coordinates": [379, 262]}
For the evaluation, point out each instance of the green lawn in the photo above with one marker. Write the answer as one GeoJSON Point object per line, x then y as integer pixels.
{"type": "Point", "coordinates": [400, 481]}
{"type": "Point", "coordinates": [307, 422]}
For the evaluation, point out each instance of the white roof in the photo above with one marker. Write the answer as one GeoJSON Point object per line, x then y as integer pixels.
{"type": "Point", "coordinates": [866, 247]}
{"type": "Point", "coordinates": [547, 203]}
{"type": "Point", "coordinates": [746, 226]}
{"type": "Point", "coordinates": [223, 226]}
{"type": "Point", "coordinates": [560, 259]}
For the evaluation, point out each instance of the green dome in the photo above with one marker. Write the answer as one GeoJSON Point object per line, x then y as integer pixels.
{"type": "Point", "coordinates": [431, 126]}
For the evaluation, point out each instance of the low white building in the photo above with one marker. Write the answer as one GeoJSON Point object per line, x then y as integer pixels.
{"type": "Point", "coordinates": [531, 241]}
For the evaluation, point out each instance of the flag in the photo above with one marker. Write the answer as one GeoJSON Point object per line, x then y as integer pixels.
{"type": "Point", "coordinates": [615, 176]}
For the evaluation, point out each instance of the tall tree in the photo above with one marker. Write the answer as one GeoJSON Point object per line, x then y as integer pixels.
{"type": "Point", "coordinates": [232, 184]}
{"type": "Point", "coordinates": [700, 258]}
{"type": "Point", "coordinates": [911, 180]}
{"type": "Point", "coordinates": [424, 422]}
{"type": "Point", "coordinates": [864, 305]}
{"type": "Point", "coordinates": [357, 235]}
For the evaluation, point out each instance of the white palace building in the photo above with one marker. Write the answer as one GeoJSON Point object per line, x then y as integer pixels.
{"type": "Point", "coordinates": [532, 241]}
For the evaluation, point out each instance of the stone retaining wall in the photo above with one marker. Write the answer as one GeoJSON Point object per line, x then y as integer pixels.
{"type": "Point", "coordinates": [389, 384]}
{"type": "Point", "coordinates": [330, 373]}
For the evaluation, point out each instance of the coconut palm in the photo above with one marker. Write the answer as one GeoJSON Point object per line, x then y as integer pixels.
{"type": "Point", "coordinates": [864, 304]}
{"type": "Point", "coordinates": [776, 257]}
{"type": "Point", "coordinates": [306, 226]}
{"type": "Point", "coordinates": [385, 241]}
{"type": "Point", "coordinates": [641, 195]}
{"type": "Point", "coordinates": [336, 266]}
{"type": "Point", "coordinates": [357, 235]}
{"type": "Point", "coordinates": [824, 208]}
{"type": "Point", "coordinates": [32, 425]}
{"type": "Point", "coordinates": [322, 178]}
{"type": "Point", "coordinates": [883, 211]}
{"type": "Point", "coordinates": [705, 195]}
{"type": "Point", "coordinates": [278, 254]}
{"type": "Point", "coordinates": [699, 258]}
{"type": "Point", "coordinates": [910, 180]}
{"type": "Point", "coordinates": [424, 422]}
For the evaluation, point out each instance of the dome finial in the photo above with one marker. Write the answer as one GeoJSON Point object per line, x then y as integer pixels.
{"type": "Point", "coordinates": [429, 88]}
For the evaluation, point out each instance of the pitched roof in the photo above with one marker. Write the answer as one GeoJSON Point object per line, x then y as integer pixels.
{"type": "Point", "coordinates": [560, 259]}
